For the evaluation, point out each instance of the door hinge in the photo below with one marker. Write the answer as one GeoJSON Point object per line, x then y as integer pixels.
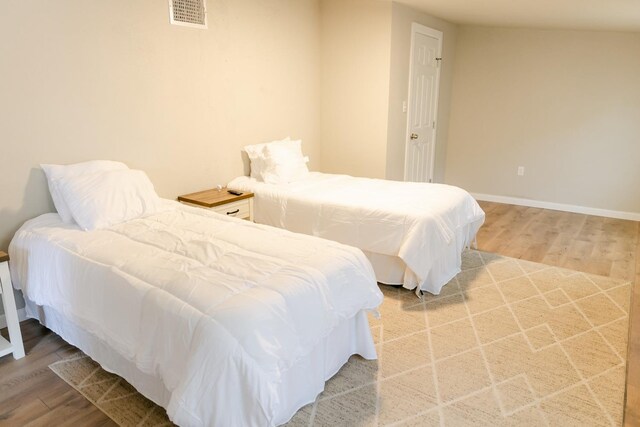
{"type": "Point", "coordinates": [433, 125]}
{"type": "Point", "coordinates": [438, 62]}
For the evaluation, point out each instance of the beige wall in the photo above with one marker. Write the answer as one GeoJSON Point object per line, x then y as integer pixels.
{"type": "Point", "coordinates": [355, 86]}
{"type": "Point", "coordinates": [563, 104]}
{"type": "Point", "coordinates": [402, 18]}
{"type": "Point", "coordinates": [112, 79]}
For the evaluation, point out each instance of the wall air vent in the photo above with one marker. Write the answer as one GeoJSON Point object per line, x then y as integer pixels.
{"type": "Point", "coordinates": [189, 13]}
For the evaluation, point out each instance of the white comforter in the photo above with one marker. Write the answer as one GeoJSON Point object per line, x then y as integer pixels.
{"type": "Point", "coordinates": [416, 222]}
{"type": "Point", "coordinates": [217, 307]}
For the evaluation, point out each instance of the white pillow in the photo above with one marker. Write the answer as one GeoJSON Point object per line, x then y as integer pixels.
{"type": "Point", "coordinates": [284, 163]}
{"type": "Point", "coordinates": [256, 156]}
{"type": "Point", "coordinates": [103, 199]}
{"type": "Point", "coordinates": [56, 172]}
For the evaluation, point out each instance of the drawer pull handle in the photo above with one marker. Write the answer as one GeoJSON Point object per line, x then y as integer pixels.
{"type": "Point", "coordinates": [233, 212]}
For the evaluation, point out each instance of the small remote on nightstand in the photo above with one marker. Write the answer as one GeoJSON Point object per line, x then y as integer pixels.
{"type": "Point", "coordinates": [234, 192]}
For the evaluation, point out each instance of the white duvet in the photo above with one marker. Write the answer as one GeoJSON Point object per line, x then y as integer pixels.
{"type": "Point", "coordinates": [419, 223]}
{"type": "Point", "coordinates": [218, 308]}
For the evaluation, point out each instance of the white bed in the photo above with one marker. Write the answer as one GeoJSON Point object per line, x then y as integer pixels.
{"type": "Point", "coordinates": [413, 233]}
{"type": "Point", "coordinates": [220, 321]}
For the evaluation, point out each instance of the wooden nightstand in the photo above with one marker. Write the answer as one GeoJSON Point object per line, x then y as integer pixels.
{"type": "Point", "coordinates": [11, 314]}
{"type": "Point", "coordinates": [222, 202]}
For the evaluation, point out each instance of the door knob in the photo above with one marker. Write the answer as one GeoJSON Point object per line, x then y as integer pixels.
{"type": "Point", "coordinates": [414, 136]}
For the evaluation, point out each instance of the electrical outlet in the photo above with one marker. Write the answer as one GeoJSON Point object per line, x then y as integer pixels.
{"type": "Point", "coordinates": [520, 170]}
{"type": "Point", "coordinates": [404, 106]}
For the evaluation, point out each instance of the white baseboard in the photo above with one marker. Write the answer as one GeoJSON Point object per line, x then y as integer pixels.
{"type": "Point", "coordinates": [633, 216]}
{"type": "Point", "coordinates": [22, 315]}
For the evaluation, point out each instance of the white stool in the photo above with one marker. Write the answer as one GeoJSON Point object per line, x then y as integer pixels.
{"type": "Point", "coordinates": [14, 346]}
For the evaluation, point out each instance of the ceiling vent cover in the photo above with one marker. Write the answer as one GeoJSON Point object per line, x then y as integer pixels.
{"type": "Point", "coordinates": [189, 13]}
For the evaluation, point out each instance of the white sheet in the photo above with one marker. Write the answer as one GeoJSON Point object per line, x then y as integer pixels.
{"type": "Point", "coordinates": [218, 308]}
{"type": "Point", "coordinates": [425, 225]}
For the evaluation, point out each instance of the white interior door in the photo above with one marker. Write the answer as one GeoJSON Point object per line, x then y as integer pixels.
{"type": "Point", "coordinates": [424, 84]}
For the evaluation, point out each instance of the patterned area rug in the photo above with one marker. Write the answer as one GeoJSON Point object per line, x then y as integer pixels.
{"type": "Point", "coordinates": [110, 393]}
{"type": "Point", "coordinates": [508, 342]}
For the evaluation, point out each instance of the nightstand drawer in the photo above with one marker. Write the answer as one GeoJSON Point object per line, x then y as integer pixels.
{"type": "Point", "coordinates": [239, 209]}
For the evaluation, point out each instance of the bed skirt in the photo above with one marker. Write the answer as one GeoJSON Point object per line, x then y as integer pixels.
{"type": "Point", "coordinates": [392, 270]}
{"type": "Point", "coordinates": [300, 386]}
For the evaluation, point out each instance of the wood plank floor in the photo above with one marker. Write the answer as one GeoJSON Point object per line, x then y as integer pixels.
{"type": "Point", "coordinates": [32, 395]}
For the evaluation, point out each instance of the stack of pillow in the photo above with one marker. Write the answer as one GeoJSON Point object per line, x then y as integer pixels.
{"type": "Point", "coordinates": [278, 162]}
{"type": "Point", "coordinates": [100, 193]}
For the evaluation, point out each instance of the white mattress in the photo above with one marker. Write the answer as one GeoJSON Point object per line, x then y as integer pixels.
{"type": "Point", "coordinates": [425, 225]}
{"type": "Point", "coordinates": [219, 310]}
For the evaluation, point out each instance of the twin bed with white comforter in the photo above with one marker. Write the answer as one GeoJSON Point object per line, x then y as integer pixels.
{"type": "Point", "coordinates": [220, 321]}
{"type": "Point", "coordinates": [413, 233]}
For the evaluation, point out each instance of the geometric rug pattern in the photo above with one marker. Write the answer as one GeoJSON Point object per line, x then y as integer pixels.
{"type": "Point", "coordinates": [507, 342]}
{"type": "Point", "coordinates": [110, 393]}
